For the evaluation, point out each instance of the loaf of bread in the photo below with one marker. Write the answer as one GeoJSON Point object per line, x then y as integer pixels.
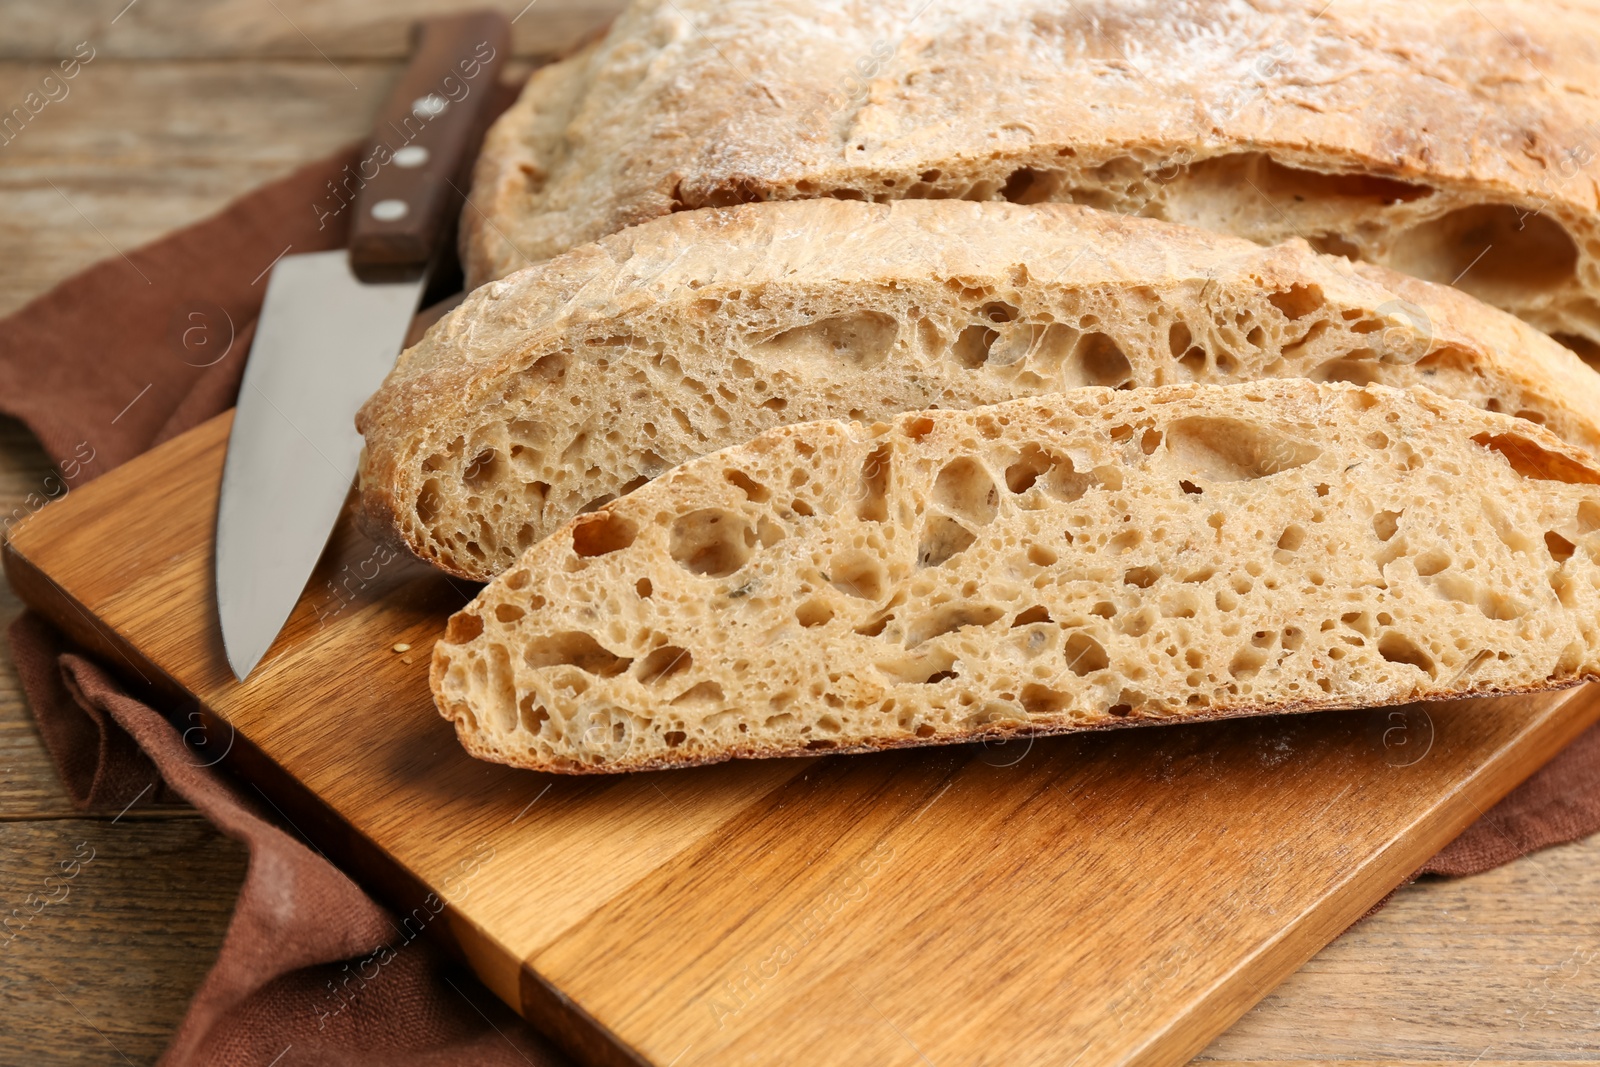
{"type": "Point", "coordinates": [1088, 559]}
{"type": "Point", "coordinates": [553, 391]}
{"type": "Point", "coordinates": [1444, 138]}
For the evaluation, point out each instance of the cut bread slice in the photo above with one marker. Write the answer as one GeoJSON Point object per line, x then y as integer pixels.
{"type": "Point", "coordinates": [553, 391]}
{"type": "Point", "coordinates": [1089, 559]}
{"type": "Point", "coordinates": [1438, 137]}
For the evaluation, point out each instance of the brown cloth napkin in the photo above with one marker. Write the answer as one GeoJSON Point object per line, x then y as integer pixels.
{"type": "Point", "coordinates": [107, 364]}
{"type": "Point", "coordinates": [311, 970]}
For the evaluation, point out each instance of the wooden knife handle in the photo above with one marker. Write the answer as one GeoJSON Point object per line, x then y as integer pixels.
{"type": "Point", "coordinates": [414, 171]}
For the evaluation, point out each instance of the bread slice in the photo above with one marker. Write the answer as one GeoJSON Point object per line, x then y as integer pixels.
{"type": "Point", "coordinates": [569, 384]}
{"type": "Point", "coordinates": [1090, 559]}
{"type": "Point", "coordinates": [1421, 134]}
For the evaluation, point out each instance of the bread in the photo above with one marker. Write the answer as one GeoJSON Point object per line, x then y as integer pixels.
{"type": "Point", "coordinates": [1418, 134]}
{"type": "Point", "coordinates": [555, 390]}
{"type": "Point", "coordinates": [1089, 559]}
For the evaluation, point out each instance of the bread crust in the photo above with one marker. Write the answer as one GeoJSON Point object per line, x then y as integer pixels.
{"type": "Point", "coordinates": [443, 391]}
{"type": "Point", "coordinates": [477, 749]}
{"type": "Point", "coordinates": [563, 665]}
{"type": "Point", "coordinates": [1186, 111]}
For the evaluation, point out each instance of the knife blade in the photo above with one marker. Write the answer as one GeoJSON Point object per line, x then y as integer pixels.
{"type": "Point", "coordinates": [331, 326]}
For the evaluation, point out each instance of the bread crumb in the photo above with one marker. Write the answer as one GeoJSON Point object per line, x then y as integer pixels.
{"type": "Point", "coordinates": [1037, 567]}
{"type": "Point", "coordinates": [790, 343]}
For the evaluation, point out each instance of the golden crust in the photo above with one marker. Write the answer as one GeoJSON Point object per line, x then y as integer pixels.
{"type": "Point", "coordinates": [476, 747]}
{"type": "Point", "coordinates": [1231, 116]}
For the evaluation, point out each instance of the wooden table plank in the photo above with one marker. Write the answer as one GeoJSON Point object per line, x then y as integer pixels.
{"type": "Point", "coordinates": [140, 149]}
{"type": "Point", "coordinates": [1505, 965]}
{"type": "Point", "coordinates": [104, 972]}
{"type": "Point", "coordinates": [339, 29]}
{"type": "Point", "coordinates": [28, 785]}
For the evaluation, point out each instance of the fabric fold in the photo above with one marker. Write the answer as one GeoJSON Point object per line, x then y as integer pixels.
{"type": "Point", "coordinates": [311, 969]}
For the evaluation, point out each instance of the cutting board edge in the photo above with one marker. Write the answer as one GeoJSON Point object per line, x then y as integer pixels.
{"type": "Point", "coordinates": [38, 591]}
{"type": "Point", "coordinates": [583, 1036]}
{"type": "Point", "coordinates": [1556, 722]}
{"type": "Point", "coordinates": [1323, 921]}
{"type": "Point", "coordinates": [378, 873]}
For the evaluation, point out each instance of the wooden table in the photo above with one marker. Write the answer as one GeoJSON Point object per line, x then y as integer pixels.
{"type": "Point", "coordinates": [184, 106]}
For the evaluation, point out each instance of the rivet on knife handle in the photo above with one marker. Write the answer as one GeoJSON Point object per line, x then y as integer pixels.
{"type": "Point", "coordinates": [426, 135]}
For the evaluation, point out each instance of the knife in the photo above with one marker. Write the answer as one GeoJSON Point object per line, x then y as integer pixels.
{"type": "Point", "coordinates": [332, 324]}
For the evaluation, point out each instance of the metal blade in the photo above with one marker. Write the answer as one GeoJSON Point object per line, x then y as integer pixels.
{"type": "Point", "coordinates": [324, 342]}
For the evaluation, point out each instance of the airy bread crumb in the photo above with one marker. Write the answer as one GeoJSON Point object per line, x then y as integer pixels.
{"type": "Point", "coordinates": [552, 392]}
{"type": "Point", "coordinates": [1089, 559]}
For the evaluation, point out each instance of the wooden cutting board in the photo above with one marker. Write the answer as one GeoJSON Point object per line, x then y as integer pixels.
{"type": "Point", "coordinates": [1110, 899]}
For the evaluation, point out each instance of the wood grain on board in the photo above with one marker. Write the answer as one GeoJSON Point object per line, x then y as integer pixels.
{"type": "Point", "coordinates": [1119, 898]}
